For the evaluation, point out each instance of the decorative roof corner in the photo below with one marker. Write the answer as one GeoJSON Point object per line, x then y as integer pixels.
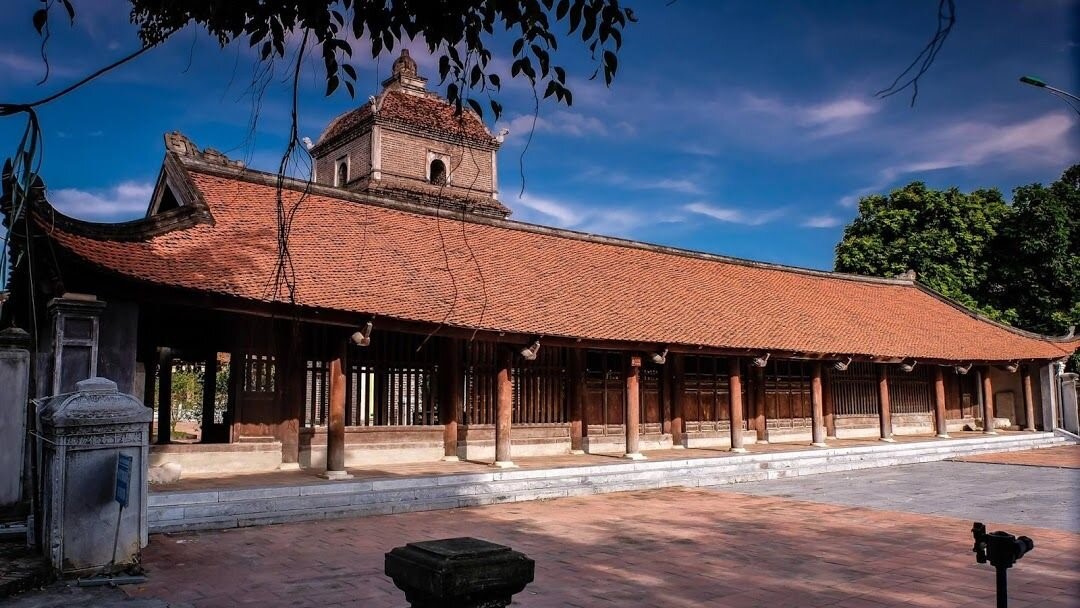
{"type": "Point", "coordinates": [182, 145]}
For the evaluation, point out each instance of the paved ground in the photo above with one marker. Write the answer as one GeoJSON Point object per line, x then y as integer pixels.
{"type": "Point", "coordinates": [1028, 496]}
{"type": "Point", "coordinates": [1065, 457]}
{"type": "Point", "coordinates": [844, 540]}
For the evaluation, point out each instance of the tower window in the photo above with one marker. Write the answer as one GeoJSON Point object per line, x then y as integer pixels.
{"type": "Point", "coordinates": [437, 172]}
{"type": "Point", "coordinates": [342, 173]}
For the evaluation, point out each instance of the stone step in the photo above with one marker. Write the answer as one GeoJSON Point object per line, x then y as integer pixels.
{"type": "Point", "coordinates": [195, 510]}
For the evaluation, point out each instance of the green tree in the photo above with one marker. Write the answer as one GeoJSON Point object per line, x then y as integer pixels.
{"type": "Point", "coordinates": [943, 235]}
{"type": "Point", "coordinates": [1035, 260]}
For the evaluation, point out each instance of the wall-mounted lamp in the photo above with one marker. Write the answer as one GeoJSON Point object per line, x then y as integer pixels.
{"type": "Point", "coordinates": [908, 365]}
{"type": "Point", "coordinates": [963, 369]}
{"type": "Point", "coordinates": [761, 360]}
{"type": "Point", "coordinates": [841, 366]}
{"type": "Point", "coordinates": [529, 352]}
{"type": "Point", "coordinates": [363, 337]}
{"type": "Point", "coordinates": [660, 357]}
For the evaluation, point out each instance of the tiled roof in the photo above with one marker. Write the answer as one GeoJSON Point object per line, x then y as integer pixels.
{"type": "Point", "coordinates": [426, 112]}
{"type": "Point", "coordinates": [505, 276]}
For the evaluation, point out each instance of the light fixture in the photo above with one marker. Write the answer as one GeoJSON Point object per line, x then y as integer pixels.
{"type": "Point", "coordinates": [363, 337]}
{"type": "Point", "coordinates": [761, 360]}
{"type": "Point", "coordinates": [1012, 367]}
{"type": "Point", "coordinates": [660, 357]}
{"type": "Point", "coordinates": [529, 352]}
{"type": "Point", "coordinates": [908, 365]}
{"type": "Point", "coordinates": [963, 369]}
{"type": "Point", "coordinates": [841, 366]}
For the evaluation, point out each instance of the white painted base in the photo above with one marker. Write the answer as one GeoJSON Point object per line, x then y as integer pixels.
{"type": "Point", "coordinates": [635, 456]}
{"type": "Point", "coordinates": [335, 475]}
{"type": "Point", "coordinates": [820, 445]}
{"type": "Point", "coordinates": [738, 450]}
{"type": "Point", "coordinates": [289, 466]}
{"type": "Point", "coordinates": [887, 440]}
{"type": "Point", "coordinates": [943, 436]}
{"type": "Point", "coordinates": [577, 452]}
{"type": "Point", "coordinates": [504, 464]}
{"type": "Point", "coordinates": [450, 459]}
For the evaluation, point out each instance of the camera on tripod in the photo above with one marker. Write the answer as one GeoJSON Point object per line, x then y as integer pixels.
{"type": "Point", "coordinates": [999, 548]}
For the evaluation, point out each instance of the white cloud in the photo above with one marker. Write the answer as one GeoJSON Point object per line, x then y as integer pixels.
{"type": "Point", "coordinates": [562, 214]}
{"type": "Point", "coordinates": [826, 118]}
{"type": "Point", "coordinates": [127, 200]}
{"type": "Point", "coordinates": [821, 221]}
{"type": "Point", "coordinates": [626, 181]}
{"type": "Point", "coordinates": [1043, 141]}
{"type": "Point", "coordinates": [595, 219]}
{"type": "Point", "coordinates": [561, 122]}
{"type": "Point", "coordinates": [733, 215]}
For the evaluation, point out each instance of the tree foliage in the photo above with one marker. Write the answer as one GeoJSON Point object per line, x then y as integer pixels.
{"type": "Point", "coordinates": [1018, 263]}
{"type": "Point", "coordinates": [460, 33]}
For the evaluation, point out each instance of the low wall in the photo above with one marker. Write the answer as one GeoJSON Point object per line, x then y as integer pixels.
{"type": "Point", "coordinates": [616, 443]}
{"type": "Point", "coordinates": [856, 427]}
{"type": "Point", "coordinates": [215, 458]}
{"type": "Point", "coordinates": [477, 442]}
{"type": "Point", "coordinates": [375, 445]}
{"type": "Point", "coordinates": [716, 439]}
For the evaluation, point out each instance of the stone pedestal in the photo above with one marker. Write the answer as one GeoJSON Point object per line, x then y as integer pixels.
{"type": "Point", "coordinates": [85, 530]}
{"type": "Point", "coordinates": [458, 573]}
{"type": "Point", "coordinates": [1070, 414]}
{"type": "Point", "coordinates": [14, 392]}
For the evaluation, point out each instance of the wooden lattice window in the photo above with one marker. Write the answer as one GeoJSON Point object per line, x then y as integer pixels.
{"type": "Point", "coordinates": [911, 392]}
{"type": "Point", "coordinates": [706, 393]}
{"type": "Point", "coordinates": [855, 390]}
{"type": "Point", "coordinates": [787, 394]}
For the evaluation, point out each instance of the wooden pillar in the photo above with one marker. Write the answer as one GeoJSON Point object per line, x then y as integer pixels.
{"type": "Point", "coordinates": [827, 404]}
{"type": "Point", "coordinates": [209, 394]}
{"type": "Point", "coordinates": [1029, 399]}
{"type": "Point", "coordinates": [940, 420]}
{"type": "Point", "coordinates": [884, 404]}
{"type": "Point", "coordinates": [292, 377]}
{"type": "Point", "coordinates": [451, 395]}
{"type": "Point", "coordinates": [735, 404]}
{"type": "Point", "coordinates": [988, 402]}
{"type": "Point", "coordinates": [633, 410]}
{"type": "Point", "coordinates": [577, 401]}
{"type": "Point", "coordinates": [759, 405]}
{"type": "Point", "coordinates": [676, 367]}
{"type": "Point", "coordinates": [335, 423]}
{"type": "Point", "coordinates": [150, 370]}
{"type": "Point", "coordinates": [504, 382]}
{"type": "Point", "coordinates": [164, 430]}
{"type": "Point", "coordinates": [817, 408]}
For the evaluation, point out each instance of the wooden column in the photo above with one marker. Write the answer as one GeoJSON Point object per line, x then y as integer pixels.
{"type": "Point", "coordinates": [335, 424]}
{"type": "Point", "coordinates": [817, 408]}
{"type": "Point", "coordinates": [759, 405]}
{"type": "Point", "coordinates": [884, 404]}
{"type": "Point", "coordinates": [504, 382]}
{"type": "Point", "coordinates": [735, 404]}
{"type": "Point", "coordinates": [164, 430]}
{"type": "Point", "coordinates": [827, 404]}
{"type": "Point", "coordinates": [209, 394]}
{"type": "Point", "coordinates": [988, 402]}
{"type": "Point", "coordinates": [577, 401]}
{"type": "Point", "coordinates": [451, 395]}
{"type": "Point", "coordinates": [1029, 399]}
{"type": "Point", "coordinates": [150, 370]}
{"type": "Point", "coordinates": [940, 420]}
{"type": "Point", "coordinates": [633, 410]}
{"type": "Point", "coordinates": [291, 362]}
{"type": "Point", "coordinates": [676, 367]}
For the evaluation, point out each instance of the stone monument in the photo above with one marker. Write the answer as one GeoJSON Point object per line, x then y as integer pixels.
{"type": "Point", "coordinates": [459, 573]}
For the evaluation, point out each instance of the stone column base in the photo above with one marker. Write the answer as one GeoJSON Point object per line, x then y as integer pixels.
{"type": "Point", "coordinates": [335, 475]}
{"type": "Point", "coordinates": [819, 445]}
{"type": "Point", "coordinates": [887, 440]}
{"type": "Point", "coordinates": [635, 456]}
{"type": "Point", "coordinates": [504, 464]}
{"type": "Point", "coordinates": [738, 450]}
{"type": "Point", "coordinates": [289, 466]}
{"type": "Point", "coordinates": [450, 459]}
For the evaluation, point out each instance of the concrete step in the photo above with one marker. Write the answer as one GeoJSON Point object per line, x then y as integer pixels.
{"type": "Point", "coordinates": [216, 509]}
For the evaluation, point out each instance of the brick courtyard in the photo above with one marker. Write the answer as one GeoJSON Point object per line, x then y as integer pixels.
{"type": "Point", "coordinates": [1065, 457]}
{"type": "Point", "coordinates": [657, 548]}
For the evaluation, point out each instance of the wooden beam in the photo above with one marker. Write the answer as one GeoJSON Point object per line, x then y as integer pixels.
{"type": "Point", "coordinates": [988, 402]}
{"type": "Point", "coordinates": [817, 407]}
{"type": "Point", "coordinates": [1029, 399]}
{"type": "Point", "coordinates": [828, 405]}
{"type": "Point", "coordinates": [676, 365]}
{"type": "Point", "coordinates": [452, 395]}
{"type": "Point", "coordinates": [940, 420]}
{"type": "Point", "coordinates": [633, 409]}
{"type": "Point", "coordinates": [577, 398]}
{"type": "Point", "coordinates": [884, 404]}
{"type": "Point", "coordinates": [760, 423]}
{"type": "Point", "coordinates": [735, 404]}
{"type": "Point", "coordinates": [209, 396]}
{"type": "Point", "coordinates": [164, 430]}
{"type": "Point", "coordinates": [504, 382]}
{"type": "Point", "coordinates": [335, 425]}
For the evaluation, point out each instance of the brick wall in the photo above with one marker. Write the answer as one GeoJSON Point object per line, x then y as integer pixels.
{"type": "Point", "coordinates": [359, 152]}
{"type": "Point", "coordinates": [406, 156]}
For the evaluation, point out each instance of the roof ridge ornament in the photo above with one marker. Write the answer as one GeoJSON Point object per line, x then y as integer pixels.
{"type": "Point", "coordinates": [182, 145]}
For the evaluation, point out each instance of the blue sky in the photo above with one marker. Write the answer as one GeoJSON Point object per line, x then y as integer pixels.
{"type": "Point", "coordinates": [742, 128]}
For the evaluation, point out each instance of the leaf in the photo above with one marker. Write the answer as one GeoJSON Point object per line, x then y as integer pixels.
{"type": "Point", "coordinates": [519, 45]}
{"type": "Point", "coordinates": [41, 17]}
{"type": "Point", "coordinates": [552, 87]}
{"type": "Point", "coordinates": [495, 81]}
{"type": "Point", "coordinates": [349, 87]}
{"type": "Point", "coordinates": [475, 105]}
{"type": "Point", "coordinates": [560, 11]}
{"type": "Point", "coordinates": [331, 84]}
{"type": "Point", "coordinates": [349, 71]}
{"type": "Point", "coordinates": [70, 10]}
{"type": "Point", "coordinates": [496, 109]}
